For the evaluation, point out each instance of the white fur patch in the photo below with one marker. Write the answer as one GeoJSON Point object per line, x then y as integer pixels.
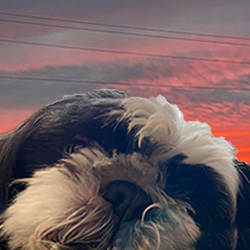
{"type": "Point", "coordinates": [163, 124]}
{"type": "Point", "coordinates": [59, 207]}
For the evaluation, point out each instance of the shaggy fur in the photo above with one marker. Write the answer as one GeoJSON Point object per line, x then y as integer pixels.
{"type": "Point", "coordinates": [102, 171]}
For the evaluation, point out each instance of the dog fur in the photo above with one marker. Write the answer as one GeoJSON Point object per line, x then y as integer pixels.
{"type": "Point", "coordinates": [57, 169]}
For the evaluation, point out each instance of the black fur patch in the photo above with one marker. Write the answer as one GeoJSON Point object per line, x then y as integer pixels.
{"type": "Point", "coordinates": [203, 188]}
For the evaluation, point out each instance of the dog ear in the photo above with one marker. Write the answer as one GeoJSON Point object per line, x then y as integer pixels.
{"type": "Point", "coordinates": [10, 144]}
{"type": "Point", "coordinates": [42, 139]}
{"type": "Point", "coordinates": [243, 207]}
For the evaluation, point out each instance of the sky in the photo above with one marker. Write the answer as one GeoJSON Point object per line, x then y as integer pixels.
{"type": "Point", "coordinates": [208, 77]}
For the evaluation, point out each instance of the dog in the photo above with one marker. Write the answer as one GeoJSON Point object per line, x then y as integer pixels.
{"type": "Point", "coordinates": [103, 171]}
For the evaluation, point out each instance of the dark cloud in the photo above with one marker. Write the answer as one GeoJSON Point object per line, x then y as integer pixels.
{"type": "Point", "coordinates": [162, 78]}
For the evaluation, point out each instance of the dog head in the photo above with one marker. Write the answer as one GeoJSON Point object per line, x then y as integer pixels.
{"type": "Point", "coordinates": [103, 171]}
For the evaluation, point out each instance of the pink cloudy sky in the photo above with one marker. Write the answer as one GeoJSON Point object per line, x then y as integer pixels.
{"type": "Point", "coordinates": [226, 110]}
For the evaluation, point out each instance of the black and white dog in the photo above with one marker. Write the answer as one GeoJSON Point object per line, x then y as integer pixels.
{"type": "Point", "coordinates": [106, 172]}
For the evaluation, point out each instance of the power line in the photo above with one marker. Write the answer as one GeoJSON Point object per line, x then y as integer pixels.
{"type": "Point", "coordinates": [120, 83]}
{"type": "Point", "coordinates": [120, 52]}
{"type": "Point", "coordinates": [125, 33]}
{"type": "Point", "coordinates": [124, 26]}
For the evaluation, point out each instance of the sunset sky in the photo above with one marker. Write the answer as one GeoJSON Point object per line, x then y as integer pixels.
{"type": "Point", "coordinates": [209, 81]}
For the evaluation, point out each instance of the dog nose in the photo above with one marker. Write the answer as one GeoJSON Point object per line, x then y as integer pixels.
{"type": "Point", "coordinates": [128, 200]}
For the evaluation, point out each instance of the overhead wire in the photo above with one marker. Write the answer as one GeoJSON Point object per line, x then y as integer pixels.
{"type": "Point", "coordinates": [123, 26]}
{"type": "Point", "coordinates": [125, 33]}
{"type": "Point", "coordinates": [82, 81]}
{"type": "Point", "coordinates": [121, 52]}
